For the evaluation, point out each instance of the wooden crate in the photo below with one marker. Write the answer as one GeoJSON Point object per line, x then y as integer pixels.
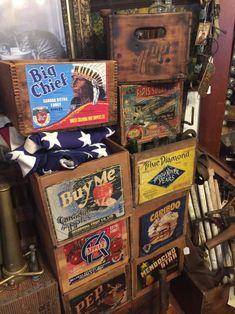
{"type": "Point", "coordinates": [149, 47]}
{"type": "Point", "coordinates": [73, 202]}
{"type": "Point", "coordinates": [150, 111]}
{"type": "Point", "coordinates": [108, 292]}
{"type": "Point", "coordinates": [89, 256]}
{"type": "Point", "coordinates": [37, 297]}
{"type": "Point", "coordinates": [159, 171]}
{"type": "Point", "coordinates": [157, 223]}
{"type": "Point", "coordinates": [145, 269]}
{"type": "Point", "coordinates": [38, 95]}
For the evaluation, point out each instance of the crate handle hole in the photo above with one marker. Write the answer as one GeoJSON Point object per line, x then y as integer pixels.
{"type": "Point", "coordinates": [146, 33]}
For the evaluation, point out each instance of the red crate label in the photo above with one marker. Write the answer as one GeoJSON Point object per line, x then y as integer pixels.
{"type": "Point", "coordinates": [96, 251]}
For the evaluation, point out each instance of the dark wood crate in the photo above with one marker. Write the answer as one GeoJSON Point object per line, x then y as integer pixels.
{"type": "Point", "coordinates": [144, 269]}
{"type": "Point", "coordinates": [108, 292]}
{"type": "Point", "coordinates": [149, 47]}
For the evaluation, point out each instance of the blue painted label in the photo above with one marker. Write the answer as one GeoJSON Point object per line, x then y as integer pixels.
{"type": "Point", "coordinates": [162, 225]}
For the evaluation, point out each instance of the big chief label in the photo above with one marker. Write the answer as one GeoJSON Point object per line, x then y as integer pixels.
{"type": "Point", "coordinates": [79, 205]}
{"type": "Point", "coordinates": [162, 225]}
{"type": "Point", "coordinates": [96, 251]}
{"type": "Point", "coordinates": [148, 271]}
{"type": "Point", "coordinates": [166, 173]}
{"type": "Point", "coordinates": [102, 299]}
{"type": "Point", "coordinates": [67, 94]}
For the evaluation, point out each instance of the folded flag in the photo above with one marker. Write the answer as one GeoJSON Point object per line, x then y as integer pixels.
{"type": "Point", "coordinates": [54, 151]}
{"type": "Point", "coordinates": [64, 140]}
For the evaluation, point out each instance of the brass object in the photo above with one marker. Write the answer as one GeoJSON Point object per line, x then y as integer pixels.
{"type": "Point", "coordinates": [15, 266]}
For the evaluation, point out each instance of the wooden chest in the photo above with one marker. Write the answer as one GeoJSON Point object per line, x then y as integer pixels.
{"type": "Point", "coordinates": [149, 47]}
{"type": "Point", "coordinates": [50, 95]}
{"type": "Point", "coordinates": [34, 297]}
{"type": "Point", "coordinates": [108, 292]}
{"type": "Point", "coordinates": [163, 170]}
{"type": "Point", "coordinates": [145, 275]}
{"type": "Point", "coordinates": [150, 111]}
{"type": "Point", "coordinates": [88, 256]}
{"type": "Point", "coordinates": [157, 223]}
{"type": "Point", "coordinates": [74, 202]}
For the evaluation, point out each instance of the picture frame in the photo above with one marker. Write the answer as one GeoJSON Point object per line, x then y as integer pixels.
{"type": "Point", "coordinates": [78, 28]}
{"type": "Point", "coordinates": [38, 30]}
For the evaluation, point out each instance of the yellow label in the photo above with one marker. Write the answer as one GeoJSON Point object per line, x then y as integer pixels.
{"type": "Point", "coordinates": [166, 173]}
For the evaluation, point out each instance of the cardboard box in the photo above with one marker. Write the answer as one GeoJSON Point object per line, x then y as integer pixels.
{"type": "Point", "coordinates": [149, 47]}
{"type": "Point", "coordinates": [163, 170]}
{"type": "Point", "coordinates": [110, 292]}
{"type": "Point", "coordinates": [49, 95]}
{"type": "Point", "coordinates": [145, 277]}
{"type": "Point", "coordinates": [157, 223]}
{"type": "Point", "coordinates": [74, 202]}
{"type": "Point", "coordinates": [150, 111]}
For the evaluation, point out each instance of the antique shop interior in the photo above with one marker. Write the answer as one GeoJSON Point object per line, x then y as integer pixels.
{"type": "Point", "coordinates": [117, 156]}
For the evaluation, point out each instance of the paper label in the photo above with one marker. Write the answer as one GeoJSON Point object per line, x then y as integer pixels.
{"type": "Point", "coordinates": [166, 173]}
{"type": "Point", "coordinates": [93, 252]}
{"type": "Point", "coordinates": [162, 225]}
{"type": "Point", "coordinates": [67, 94]}
{"type": "Point", "coordinates": [82, 204]}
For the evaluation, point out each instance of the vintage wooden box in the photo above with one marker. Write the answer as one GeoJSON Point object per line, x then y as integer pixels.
{"type": "Point", "coordinates": [150, 111]}
{"type": "Point", "coordinates": [149, 47]}
{"type": "Point", "coordinates": [36, 297]}
{"type": "Point", "coordinates": [76, 201]}
{"type": "Point", "coordinates": [106, 294]}
{"type": "Point", "coordinates": [145, 276]}
{"type": "Point", "coordinates": [51, 95]}
{"type": "Point", "coordinates": [88, 256]}
{"type": "Point", "coordinates": [163, 170]}
{"type": "Point", "coordinates": [157, 223]}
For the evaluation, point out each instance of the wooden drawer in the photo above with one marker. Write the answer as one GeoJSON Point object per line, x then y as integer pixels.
{"type": "Point", "coordinates": [150, 111]}
{"type": "Point", "coordinates": [163, 170]}
{"type": "Point", "coordinates": [145, 277]}
{"type": "Point", "coordinates": [149, 47]}
{"type": "Point", "coordinates": [88, 256]}
{"type": "Point", "coordinates": [40, 95]}
{"type": "Point", "coordinates": [108, 292]}
{"type": "Point", "coordinates": [157, 223]}
{"type": "Point", "coordinates": [74, 202]}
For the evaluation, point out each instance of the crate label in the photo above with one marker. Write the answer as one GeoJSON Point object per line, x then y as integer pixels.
{"type": "Point", "coordinates": [80, 205]}
{"type": "Point", "coordinates": [166, 173]}
{"type": "Point", "coordinates": [96, 251]}
{"type": "Point", "coordinates": [148, 271]}
{"type": "Point", "coordinates": [67, 95]}
{"type": "Point", "coordinates": [151, 111]}
{"type": "Point", "coordinates": [103, 298]}
{"type": "Point", "coordinates": [162, 225]}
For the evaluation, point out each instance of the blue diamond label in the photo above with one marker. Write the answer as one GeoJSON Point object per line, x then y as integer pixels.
{"type": "Point", "coordinates": [166, 173]}
{"type": "Point", "coordinates": [167, 176]}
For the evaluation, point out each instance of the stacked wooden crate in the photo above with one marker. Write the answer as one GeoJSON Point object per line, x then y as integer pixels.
{"type": "Point", "coordinates": [82, 214]}
{"type": "Point", "coordinates": [152, 53]}
{"type": "Point", "coordinates": [105, 246]}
